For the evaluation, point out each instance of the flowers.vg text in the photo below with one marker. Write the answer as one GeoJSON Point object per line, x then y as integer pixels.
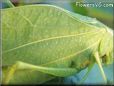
{"type": "Point", "coordinates": [99, 4]}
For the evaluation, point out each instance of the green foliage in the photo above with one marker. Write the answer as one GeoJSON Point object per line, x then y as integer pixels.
{"type": "Point", "coordinates": [41, 42]}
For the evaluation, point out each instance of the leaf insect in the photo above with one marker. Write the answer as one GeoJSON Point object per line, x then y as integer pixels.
{"type": "Point", "coordinates": [57, 45]}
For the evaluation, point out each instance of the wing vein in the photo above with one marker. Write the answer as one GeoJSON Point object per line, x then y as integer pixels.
{"type": "Point", "coordinates": [47, 39]}
{"type": "Point", "coordinates": [71, 55]}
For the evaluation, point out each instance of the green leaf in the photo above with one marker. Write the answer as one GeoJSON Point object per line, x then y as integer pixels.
{"type": "Point", "coordinates": [49, 37]}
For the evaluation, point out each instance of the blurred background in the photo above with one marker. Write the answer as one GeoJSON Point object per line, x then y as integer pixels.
{"type": "Point", "coordinates": [102, 11]}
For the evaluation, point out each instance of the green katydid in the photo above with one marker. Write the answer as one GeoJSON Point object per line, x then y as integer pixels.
{"type": "Point", "coordinates": [41, 42]}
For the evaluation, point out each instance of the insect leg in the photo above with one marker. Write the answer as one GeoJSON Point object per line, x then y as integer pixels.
{"type": "Point", "coordinates": [11, 70]}
{"type": "Point", "coordinates": [96, 55]}
{"type": "Point", "coordinates": [61, 72]}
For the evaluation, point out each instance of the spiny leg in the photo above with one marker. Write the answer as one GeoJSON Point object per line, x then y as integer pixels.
{"type": "Point", "coordinates": [96, 55]}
